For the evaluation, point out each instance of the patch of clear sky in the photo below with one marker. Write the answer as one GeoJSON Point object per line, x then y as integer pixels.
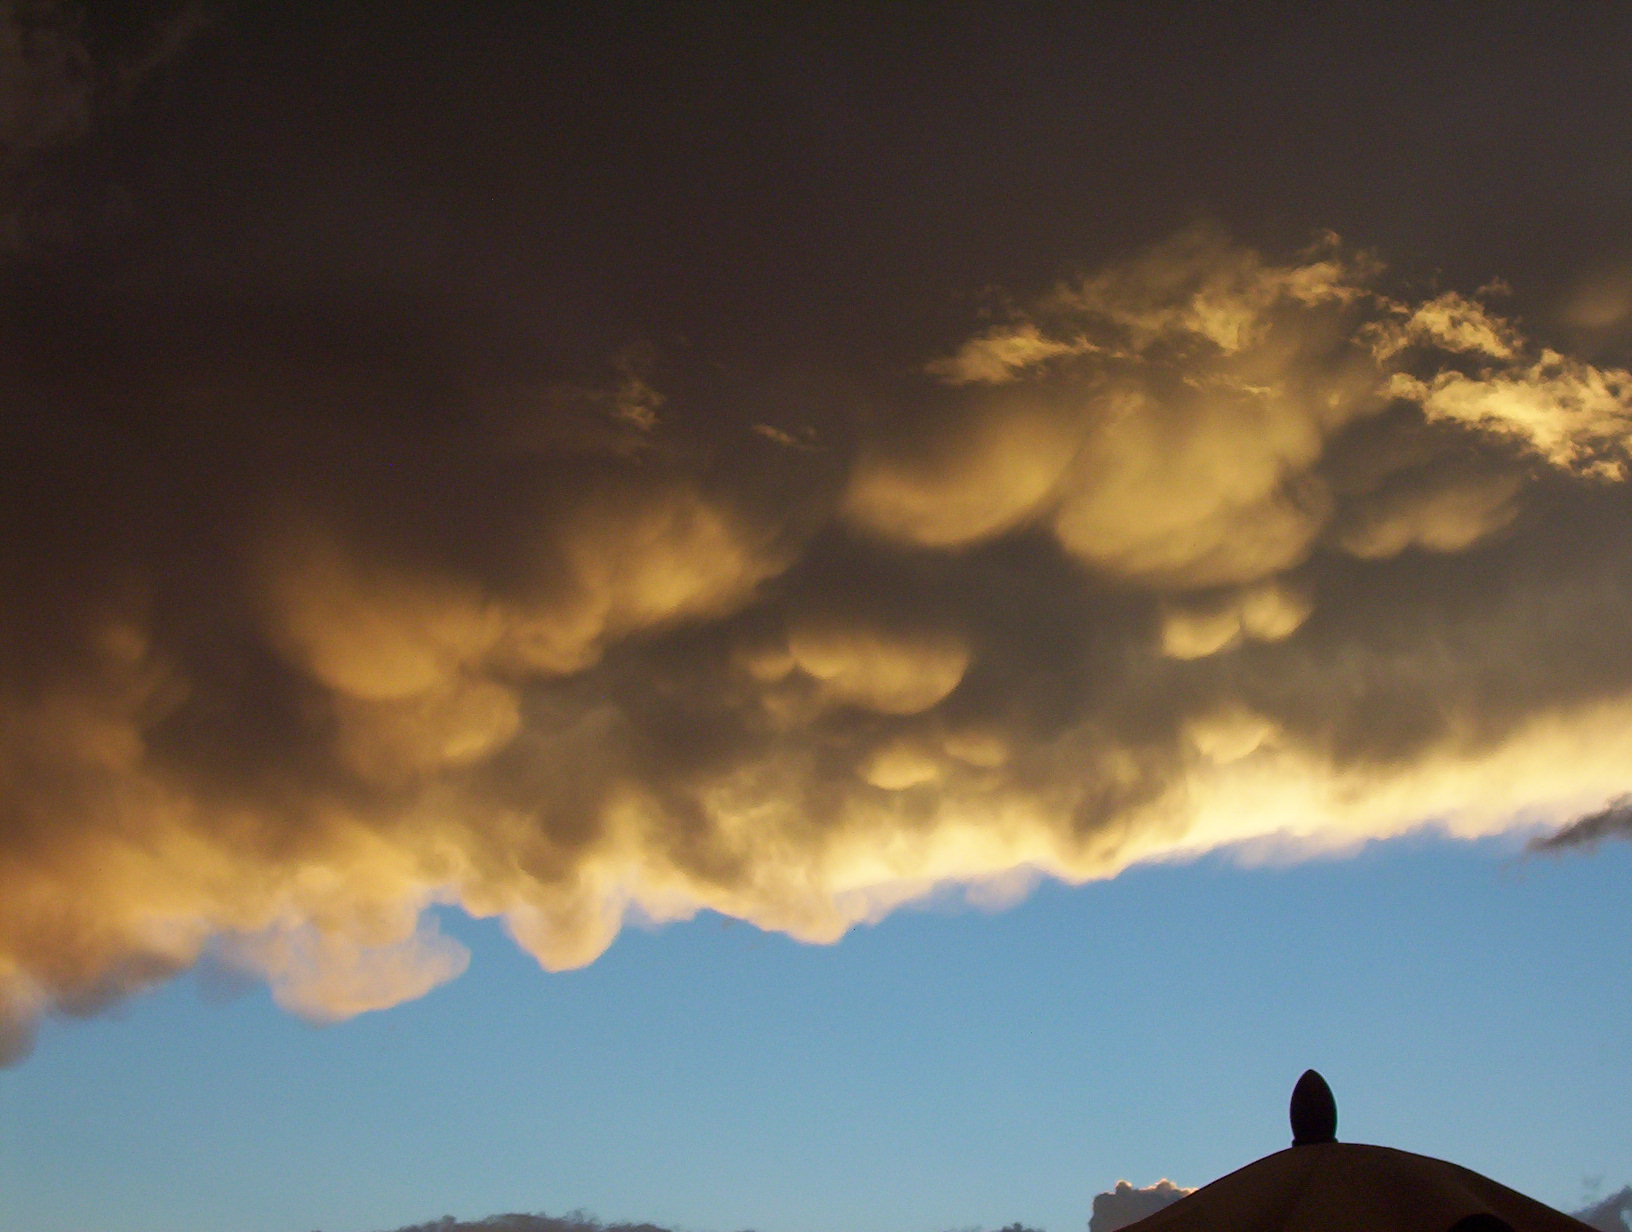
{"type": "Point", "coordinates": [946, 1068]}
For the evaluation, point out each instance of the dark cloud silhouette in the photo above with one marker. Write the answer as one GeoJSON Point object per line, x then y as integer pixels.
{"type": "Point", "coordinates": [1615, 821]}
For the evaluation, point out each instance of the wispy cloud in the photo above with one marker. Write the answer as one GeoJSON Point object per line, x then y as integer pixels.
{"type": "Point", "coordinates": [1613, 821]}
{"type": "Point", "coordinates": [1613, 1214]}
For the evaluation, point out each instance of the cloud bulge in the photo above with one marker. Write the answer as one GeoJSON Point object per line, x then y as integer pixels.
{"type": "Point", "coordinates": [1208, 547]}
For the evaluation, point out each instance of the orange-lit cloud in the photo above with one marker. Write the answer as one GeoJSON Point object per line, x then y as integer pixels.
{"type": "Point", "coordinates": [1205, 549]}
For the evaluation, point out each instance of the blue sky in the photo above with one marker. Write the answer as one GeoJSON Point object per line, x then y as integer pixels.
{"type": "Point", "coordinates": [945, 1068]}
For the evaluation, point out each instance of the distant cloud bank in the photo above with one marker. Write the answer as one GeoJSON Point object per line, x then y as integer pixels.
{"type": "Point", "coordinates": [1126, 1204]}
{"type": "Point", "coordinates": [575, 1221]}
{"type": "Point", "coordinates": [1613, 1214]}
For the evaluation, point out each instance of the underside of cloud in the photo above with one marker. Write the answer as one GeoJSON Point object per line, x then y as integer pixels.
{"type": "Point", "coordinates": [1207, 548]}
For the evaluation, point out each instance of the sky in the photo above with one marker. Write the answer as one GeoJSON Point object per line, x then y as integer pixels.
{"type": "Point", "coordinates": [806, 618]}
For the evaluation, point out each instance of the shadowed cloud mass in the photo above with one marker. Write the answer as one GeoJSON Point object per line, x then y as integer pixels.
{"type": "Point", "coordinates": [349, 589]}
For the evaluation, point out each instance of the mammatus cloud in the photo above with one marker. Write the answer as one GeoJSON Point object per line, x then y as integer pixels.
{"type": "Point", "coordinates": [1127, 1204]}
{"type": "Point", "coordinates": [1210, 547]}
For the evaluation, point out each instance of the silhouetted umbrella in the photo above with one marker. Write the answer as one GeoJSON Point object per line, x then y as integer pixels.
{"type": "Point", "coordinates": [1322, 1185]}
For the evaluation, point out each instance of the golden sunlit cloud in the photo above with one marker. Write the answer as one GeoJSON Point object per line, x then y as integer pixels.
{"type": "Point", "coordinates": [879, 670]}
{"type": "Point", "coordinates": [973, 479]}
{"type": "Point", "coordinates": [1203, 550]}
{"type": "Point", "coordinates": [1573, 414]}
{"type": "Point", "coordinates": [1205, 626]}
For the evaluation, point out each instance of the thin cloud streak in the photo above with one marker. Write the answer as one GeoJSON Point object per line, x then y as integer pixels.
{"type": "Point", "coordinates": [1613, 821]}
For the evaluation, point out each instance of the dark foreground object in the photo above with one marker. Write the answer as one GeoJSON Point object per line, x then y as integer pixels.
{"type": "Point", "coordinates": [1322, 1185]}
{"type": "Point", "coordinates": [1314, 1111]}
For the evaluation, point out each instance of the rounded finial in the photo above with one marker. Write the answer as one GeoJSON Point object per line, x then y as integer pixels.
{"type": "Point", "coordinates": [1314, 1111]}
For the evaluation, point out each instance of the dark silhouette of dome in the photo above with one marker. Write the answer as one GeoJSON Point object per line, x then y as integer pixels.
{"type": "Point", "coordinates": [1480, 1223]}
{"type": "Point", "coordinates": [1322, 1185]}
{"type": "Point", "coordinates": [1314, 1111]}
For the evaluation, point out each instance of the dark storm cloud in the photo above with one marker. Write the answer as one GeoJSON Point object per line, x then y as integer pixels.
{"type": "Point", "coordinates": [508, 460]}
{"type": "Point", "coordinates": [62, 70]}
